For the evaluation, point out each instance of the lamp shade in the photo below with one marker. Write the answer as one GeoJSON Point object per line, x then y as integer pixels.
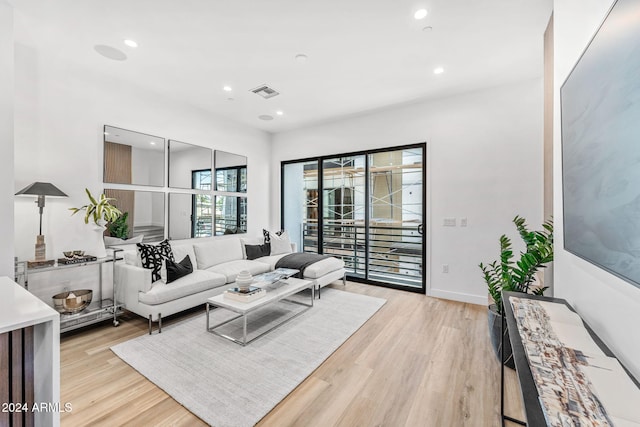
{"type": "Point", "coordinates": [41, 189]}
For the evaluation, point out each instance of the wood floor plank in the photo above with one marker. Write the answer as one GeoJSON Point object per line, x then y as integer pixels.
{"type": "Point", "coordinates": [419, 361]}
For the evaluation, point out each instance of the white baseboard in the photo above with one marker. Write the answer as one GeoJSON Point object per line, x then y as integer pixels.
{"type": "Point", "coordinates": [457, 296]}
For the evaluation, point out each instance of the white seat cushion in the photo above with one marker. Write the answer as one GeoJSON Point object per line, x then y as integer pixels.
{"type": "Point", "coordinates": [231, 269]}
{"type": "Point", "coordinates": [320, 268]}
{"type": "Point", "coordinates": [193, 283]}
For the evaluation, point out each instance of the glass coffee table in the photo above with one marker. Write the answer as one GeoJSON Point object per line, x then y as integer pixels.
{"type": "Point", "coordinates": [279, 291]}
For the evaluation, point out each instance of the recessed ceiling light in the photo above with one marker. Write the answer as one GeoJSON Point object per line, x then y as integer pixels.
{"type": "Point", "coordinates": [130, 43]}
{"type": "Point", "coordinates": [229, 99]}
{"type": "Point", "coordinates": [420, 14]}
{"type": "Point", "coordinates": [265, 117]}
{"type": "Point", "coordinates": [301, 57]}
{"type": "Point", "coordinates": [227, 88]}
{"type": "Point", "coordinates": [438, 70]}
{"type": "Point", "coordinates": [427, 28]}
{"type": "Point", "coordinates": [152, 143]}
{"type": "Point", "coordinates": [279, 112]}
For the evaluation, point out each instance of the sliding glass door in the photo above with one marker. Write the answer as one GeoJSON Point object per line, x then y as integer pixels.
{"type": "Point", "coordinates": [367, 208]}
{"type": "Point", "coordinates": [344, 211]}
{"type": "Point", "coordinates": [396, 216]}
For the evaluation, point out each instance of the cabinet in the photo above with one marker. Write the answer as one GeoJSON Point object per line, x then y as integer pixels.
{"type": "Point", "coordinates": [102, 306]}
{"type": "Point", "coordinates": [21, 311]}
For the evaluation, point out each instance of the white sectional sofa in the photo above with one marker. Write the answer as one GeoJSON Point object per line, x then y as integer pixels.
{"type": "Point", "coordinates": [216, 263]}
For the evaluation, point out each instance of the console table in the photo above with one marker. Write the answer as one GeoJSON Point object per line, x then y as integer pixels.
{"type": "Point", "coordinates": [100, 309]}
{"type": "Point", "coordinates": [531, 400]}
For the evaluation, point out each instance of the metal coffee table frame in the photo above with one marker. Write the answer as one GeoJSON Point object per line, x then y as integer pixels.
{"type": "Point", "coordinates": [244, 309]}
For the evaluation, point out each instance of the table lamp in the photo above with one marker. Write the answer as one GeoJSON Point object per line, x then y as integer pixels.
{"type": "Point", "coordinates": [41, 189]}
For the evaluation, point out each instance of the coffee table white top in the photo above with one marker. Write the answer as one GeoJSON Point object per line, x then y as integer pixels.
{"type": "Point", "coordinates": [286, 288]}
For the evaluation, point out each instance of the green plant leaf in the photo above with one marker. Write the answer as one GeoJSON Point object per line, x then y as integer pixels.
{"type": "Point", "coordinates": [519, 276]}
{"type": "Point", "coordinates": [91, 199]}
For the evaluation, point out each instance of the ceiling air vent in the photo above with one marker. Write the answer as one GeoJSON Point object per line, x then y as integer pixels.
{"type": "Point", "coordinates": [265, 91]}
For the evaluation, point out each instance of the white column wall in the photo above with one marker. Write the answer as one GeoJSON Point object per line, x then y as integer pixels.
{"type": "Point", "coordinates": [610, 305]}
{"type": "Point", "coordinates": [6, 140]}
{"type": "Point", "coordinates": [485, 164]}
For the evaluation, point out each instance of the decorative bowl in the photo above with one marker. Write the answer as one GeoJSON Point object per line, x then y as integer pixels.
{"type": "Point", "coordinates": [78, 253]}
{"type": "Point", "coordinates": [73, 301]}
{"type": "Point", "coordinates": [68, 254]}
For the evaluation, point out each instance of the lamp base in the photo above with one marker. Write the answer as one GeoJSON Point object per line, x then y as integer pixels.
{"type": "Point", "coordinates": [41, 255]}
{"type": "Point", "coordinates": [41, 248]}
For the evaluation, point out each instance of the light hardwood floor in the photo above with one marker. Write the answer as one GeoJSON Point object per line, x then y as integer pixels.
{"type": "Point", "coordinates": [419, 361]}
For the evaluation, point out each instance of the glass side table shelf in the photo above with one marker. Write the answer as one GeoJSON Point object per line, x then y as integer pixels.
{"type": "Point", "coordinates": [101, 308]}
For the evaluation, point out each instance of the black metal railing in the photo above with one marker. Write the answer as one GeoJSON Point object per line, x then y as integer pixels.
{"type": "Point", "coordinates": [395, 249]}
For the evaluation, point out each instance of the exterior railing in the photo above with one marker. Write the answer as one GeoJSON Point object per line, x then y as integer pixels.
{"type": "Point", "coordinates": [395, 249]}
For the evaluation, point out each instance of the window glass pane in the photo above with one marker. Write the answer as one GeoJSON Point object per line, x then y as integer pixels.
{"type": "Point", "coordinates": [227, 179]}
{"type": "Point", "coordinates": [395, 217]}
{"type": "Point", "coordinates": [231, 215]}
{"type": "Point", "coordinates": [301, 204]}
{"type": "Point", "coordinates": [343, 211]}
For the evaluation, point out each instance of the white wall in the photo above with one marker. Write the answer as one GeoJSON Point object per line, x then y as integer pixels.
{"type": "Point", "coordinates": [6, 141]}
{"type": "Point", "coordinates": [60, 110]}
{"type": "Point", "coordinates": [609, 305]}
{"type": "Point", "coordinates": [485, 164]}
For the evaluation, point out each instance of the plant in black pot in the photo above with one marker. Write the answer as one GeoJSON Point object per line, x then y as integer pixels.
{"type": "Point", "coordinates": [506, 274]}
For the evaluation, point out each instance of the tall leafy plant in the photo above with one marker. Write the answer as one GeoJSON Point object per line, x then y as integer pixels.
{"type": "Point", "coordinates": [519, 276]}
{"type": "Point", "coordinates": [98, 210]}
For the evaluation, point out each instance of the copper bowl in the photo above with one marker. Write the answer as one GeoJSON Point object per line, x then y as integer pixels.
{"type": "Point", "coordinates": [72, 302]}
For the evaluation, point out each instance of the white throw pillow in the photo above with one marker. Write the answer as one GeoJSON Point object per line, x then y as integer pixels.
{"type": "Point", "coordinates": [180, 250]}
{"type": "Point", "coordinates": [280, 244]}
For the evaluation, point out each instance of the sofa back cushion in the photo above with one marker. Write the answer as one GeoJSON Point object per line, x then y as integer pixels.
{"type": "Point", "coordinates": [217, 251]}
{"type": "Point", "coordinates": [180, 250]}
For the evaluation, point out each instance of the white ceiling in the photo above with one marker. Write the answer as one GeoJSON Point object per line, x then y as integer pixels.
{"type": "Point", "coordinates": [363, 54]}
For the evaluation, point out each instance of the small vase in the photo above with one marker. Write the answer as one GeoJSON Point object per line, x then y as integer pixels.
{"type": "Point", "coordinates": [98, 228]}
{"type": "Point", "coordinates": [244, 280]}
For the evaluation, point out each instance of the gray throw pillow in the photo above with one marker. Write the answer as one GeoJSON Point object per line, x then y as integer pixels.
{"type": "Point", "coordinates": [257, 251]}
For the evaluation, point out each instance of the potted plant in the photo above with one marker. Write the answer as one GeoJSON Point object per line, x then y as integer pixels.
{"type": "Point", "coordinates": [100, 211]}
{"type": "Point", "coordinates": [519, 276]}
{"type": "Point", "coordinates": [119, 228]}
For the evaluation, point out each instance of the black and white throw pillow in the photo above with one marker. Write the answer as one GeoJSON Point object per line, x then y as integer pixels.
{"type": "Point", "coordinates": [176, 270]}
{"type": "Point", "coordinates": [153, 257]}
{"type": "Point", "coordinates": [267, 238]}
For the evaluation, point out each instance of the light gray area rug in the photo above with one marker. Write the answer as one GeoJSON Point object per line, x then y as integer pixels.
{"type": "Point", "coordinates": [226, 384]}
